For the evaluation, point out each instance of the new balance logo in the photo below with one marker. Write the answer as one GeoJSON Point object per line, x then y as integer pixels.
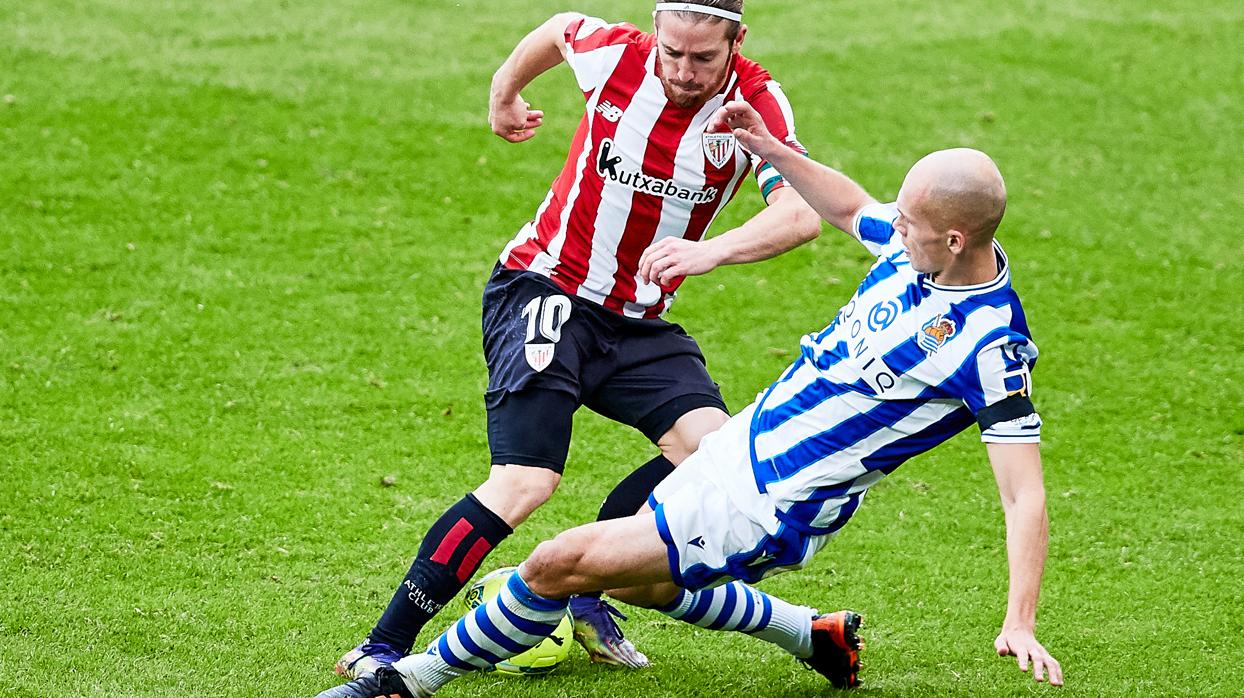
{"type": "Point", "coordinates": [609, 111]}
{"type": "Point", "coordinates": [698, 542]}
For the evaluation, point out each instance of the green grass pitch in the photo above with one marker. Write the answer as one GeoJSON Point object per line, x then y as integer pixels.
{"type": "Point", "coordinates": [242, 246]}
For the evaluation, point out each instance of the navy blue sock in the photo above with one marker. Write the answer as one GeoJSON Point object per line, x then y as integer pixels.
{"type": "Point", "coordinates": [632, 493]}
{"type": "Point", "coordinates": [450, 554]}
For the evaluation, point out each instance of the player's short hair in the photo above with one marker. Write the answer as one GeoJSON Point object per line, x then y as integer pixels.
{"type": "Point", "coordinates": [969, 207]}
{"type": "Point", "coordinates": [964, 191]}
{"type": "Point", "coordinates": [732, 27]}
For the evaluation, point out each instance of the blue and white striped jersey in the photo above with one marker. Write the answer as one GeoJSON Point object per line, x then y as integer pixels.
{"type": "Point", "coordinates": [904, 366]}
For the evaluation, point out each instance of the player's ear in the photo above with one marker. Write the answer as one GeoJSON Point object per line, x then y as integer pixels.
{"type": "Point", "coordinates": [738, 40]}
{"type": "Point", "coordinates": [956, 241]}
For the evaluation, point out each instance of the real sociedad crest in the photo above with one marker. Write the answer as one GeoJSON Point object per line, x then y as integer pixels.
{"type": "Point", "coordinates": [718, 147]}
{"type": "Point", "coordinates": [539, 356]}
{"type": "Point", "coordinates": [935, 332]}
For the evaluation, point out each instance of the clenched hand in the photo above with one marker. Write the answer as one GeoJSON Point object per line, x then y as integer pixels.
{"type": "Point", "coordinates": [514, 119]}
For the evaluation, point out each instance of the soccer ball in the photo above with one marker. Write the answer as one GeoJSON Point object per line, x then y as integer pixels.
{"type": "Point", "coordinates": [540, 659]}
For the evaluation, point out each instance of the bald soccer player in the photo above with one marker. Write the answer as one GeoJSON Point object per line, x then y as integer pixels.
{"type": "Point", "coordinates": [933, 340]}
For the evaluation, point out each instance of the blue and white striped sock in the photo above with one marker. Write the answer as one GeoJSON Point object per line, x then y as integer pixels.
{"type": "Point", "coordinates": [510, 623]}
{"type": "Point", "coordinates": [736, 606]}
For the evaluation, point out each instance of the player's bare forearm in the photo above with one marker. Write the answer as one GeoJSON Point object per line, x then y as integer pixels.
{"type": "Point", "coordinates": [1017, 469]}
{"type": "Point", "coordinates": [834, 196]}
{"type": "Point", "coordinates": [536, 53]}
{"type": "Point", "coordinates": [786, 223]}
{"type": "Point", "coordinates": [1027, 540]}
{"type": "Point", "coordinates": [509, 116]}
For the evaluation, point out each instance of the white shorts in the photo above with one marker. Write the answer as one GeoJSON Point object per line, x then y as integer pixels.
{"type": "Point", "coordinates": [715, 530]}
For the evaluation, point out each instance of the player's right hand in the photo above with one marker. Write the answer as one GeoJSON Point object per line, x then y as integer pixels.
{"type": "Point", "coordinates": [513, 119]}
{"type": "Point", "coordinates": [1023, 645]}
{"type": "Point", "coordinates": [749, 129]}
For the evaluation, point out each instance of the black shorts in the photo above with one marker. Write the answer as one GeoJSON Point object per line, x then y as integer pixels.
{"type": "Point", "coordinates": [549, 352]}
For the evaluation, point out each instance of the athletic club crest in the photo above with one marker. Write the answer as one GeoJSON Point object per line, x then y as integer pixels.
{"type": "Point", "coordinates": [935, 332]}
{"type": "Point", "coordinates": [539, 356]}
{"type": "Point", "coordinates": [718, 148]}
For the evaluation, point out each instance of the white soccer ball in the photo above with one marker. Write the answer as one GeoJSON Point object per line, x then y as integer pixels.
{"type": "Point", "coordinates": [540, 659]}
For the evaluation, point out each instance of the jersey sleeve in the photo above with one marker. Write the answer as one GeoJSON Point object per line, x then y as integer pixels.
{"type": "Point", "coordinates": [592, 48]}
{"type": "Point", "coordinates": [874, 227]}
{"type": "Point", "coordinates": [766, 97]}
{"type": "Point", "coordinates": [1000, 393]}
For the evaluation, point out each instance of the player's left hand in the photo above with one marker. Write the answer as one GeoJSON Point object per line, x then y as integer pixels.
{"type": "Point", "coordinates": [670, 259]}
{"type": "Point", "coordinates": [1023, 645]}
{"type": "Point", "coordinates": [742, 119]}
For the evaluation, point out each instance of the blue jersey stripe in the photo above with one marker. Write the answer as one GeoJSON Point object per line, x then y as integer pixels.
{"type": "Point", "coordinates": [889, 457]}
{"type": "Point", "coordinates": [875, 230]}
{"type": "Point", "coordinates": [842, 436]}
{"type": "Point", "coordinates": [881, 271]}
{"type": "Point", "coordinates": [812, 395]}
{"type": "Point", "coordinates": [908, 355]}
{"type": "Point", "coordinates": [966, 381]}
{"type": "Point", "coordinates": [801, 515]}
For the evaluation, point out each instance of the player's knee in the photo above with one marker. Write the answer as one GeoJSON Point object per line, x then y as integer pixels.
{"type": "Point", "coordinates": [552, 566]}
{"type": "Point", "coordinates": [683, 438]}
{"type": "Point", "coordinates": [534, 488]}
{"type": "Point", "coordinates": [513, 492]}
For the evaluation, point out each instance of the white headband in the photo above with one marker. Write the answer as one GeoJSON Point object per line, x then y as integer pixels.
{"type": "Point", "coordinates": [702, 9]}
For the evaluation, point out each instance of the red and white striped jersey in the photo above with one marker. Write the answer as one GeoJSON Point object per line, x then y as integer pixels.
{"type": "Point", "coordinates": [640, 169]}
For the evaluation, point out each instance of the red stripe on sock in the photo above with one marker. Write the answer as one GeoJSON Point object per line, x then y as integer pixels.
{"type": "Point", "coordinates": [452, 540]}
{"type": "Point", "coordinates": [470, 563]}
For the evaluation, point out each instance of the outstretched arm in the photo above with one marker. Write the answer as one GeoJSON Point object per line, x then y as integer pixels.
{"type": "Point", "coordinates": [786, 223]}
{"type": "Point", "coordinates": [1017, 469]}
{"type": "Point", "coordinates": [832, 194]}
{"type": "Point", "coordinates": [510, 117]}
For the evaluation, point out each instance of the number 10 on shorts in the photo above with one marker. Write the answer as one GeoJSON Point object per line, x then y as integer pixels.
{"type": "Point", "coordinates": [547, 316]}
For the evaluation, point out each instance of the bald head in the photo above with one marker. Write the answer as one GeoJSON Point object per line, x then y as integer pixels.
{"type": "Point", "coordinates": [959, 189]}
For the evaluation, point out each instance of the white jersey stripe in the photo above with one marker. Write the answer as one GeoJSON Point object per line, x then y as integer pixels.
{"type": "Point", "coordinates": [592, 68]}
{"type": "Point", "coordinates": [631, 137]}
{"type": "Point", "coordinates": [779, 96]}
{"type": "Point", "coordinates": [614, 54]}
{"type": "Point", "coordinates": [688, 168]}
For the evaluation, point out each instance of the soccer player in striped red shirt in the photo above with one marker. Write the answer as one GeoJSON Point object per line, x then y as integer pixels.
{"type": "Point", "coordinates": [573, 310]}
